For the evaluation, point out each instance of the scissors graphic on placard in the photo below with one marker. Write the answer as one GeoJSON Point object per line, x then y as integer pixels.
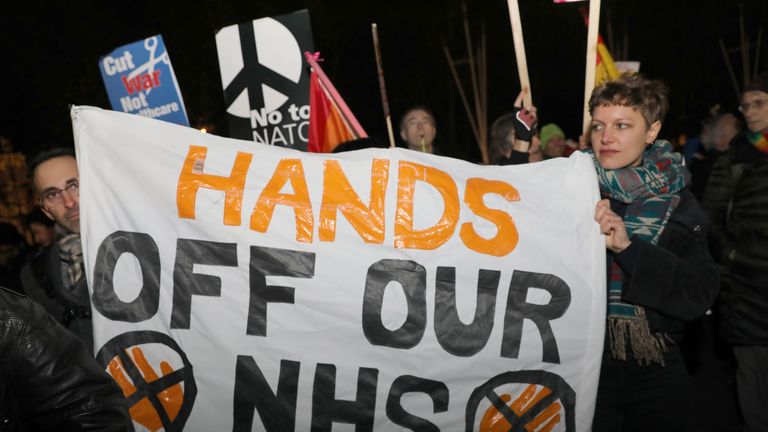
{"type": "Point", "coordinates": [151, 45]}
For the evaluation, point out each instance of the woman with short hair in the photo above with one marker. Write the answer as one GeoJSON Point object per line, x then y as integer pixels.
{"type": "Point", "coordinates": [660, 272]}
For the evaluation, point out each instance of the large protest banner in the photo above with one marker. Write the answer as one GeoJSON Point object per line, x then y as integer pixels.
{"type": "Point", "coordinates": [241, 287]}
{"type": "Point", "coordinates": [265, 80]}
{"type": "Point", "coordinates": [139, 79]}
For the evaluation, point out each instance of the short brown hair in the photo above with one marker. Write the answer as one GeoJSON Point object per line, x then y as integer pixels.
{"type": "Point", "coordinates": [649, 97]}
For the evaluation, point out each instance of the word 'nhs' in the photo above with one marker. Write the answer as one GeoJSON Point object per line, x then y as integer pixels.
{"type": "Point", "coordinates": [144, 81]}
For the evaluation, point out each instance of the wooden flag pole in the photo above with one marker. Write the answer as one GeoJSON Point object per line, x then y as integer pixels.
{"type": "Point", "coordinates": [589, 79]}
{"type": "Point", "coordinates": [522, 64]}
{"type": "Point", "coordinates": [382, 86]}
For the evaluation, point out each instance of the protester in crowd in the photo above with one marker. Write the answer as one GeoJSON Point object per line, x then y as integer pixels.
{"type": "Point", "coordinates": [736, 199]}
{"type": "Point", "coordinates": [724, 128]}
{"type": "Point", "coordinates": [42, 228]}
{"type": "Point", "coordinates": [55, 278]}
{"type": "Point", "coordinates": [12, 254]}
{"type": "Point", "coordinates": [503, 150]}
{"type": "Point", "coordinates": [660, 273]}
{"type": "Point", "coordinates": [514, 138]}
{"type": "Point", "coordinates": [48, 379]}
{"type": "Point", "coordinates": [553, 142]}
{"type": "Point", "coordinates": [418, 129]}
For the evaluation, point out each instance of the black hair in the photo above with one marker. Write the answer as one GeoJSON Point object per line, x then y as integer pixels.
{"type": "Point", "coordinates": [414, 108]}
{"type": "Point", "coordinates": [45, 155]}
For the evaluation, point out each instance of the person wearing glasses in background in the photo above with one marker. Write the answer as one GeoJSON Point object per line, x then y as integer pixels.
{"type": "Point", "coordinates": [736, 199]}
{"type": "Point", "coordinates": [56, 277]}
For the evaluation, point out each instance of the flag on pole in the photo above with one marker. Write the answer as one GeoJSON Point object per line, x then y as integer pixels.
{"type": "Point", "coordinates": [606, 68]}
{"type": "Point", "coordinates": [330, 120]}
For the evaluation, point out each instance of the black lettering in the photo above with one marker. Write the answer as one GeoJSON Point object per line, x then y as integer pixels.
{"type": "Point", "coordinates": [105, 299]}
{"type": "Point", "coordinates": [265, 262]}
{"type": "Point", "coordinates": [187, 283]}
{"type": "Point", "coordinates": [454, 336]}
{"type": "Point", "coordinates": [326, 409]}
{"type": "Point", "coordinates": [277, 411]}
{"type": "Point", "coordinates": [436, 390]}
{"type": "Point", "coordinates": [412, 277]}
{"type": "Point", "coordinates": [541, 315]}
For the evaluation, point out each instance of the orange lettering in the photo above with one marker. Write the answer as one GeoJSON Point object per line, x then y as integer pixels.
{"type": "Point", "coordinates": [506, 236]}
{"type": "Point", "coordinates": [287, 170]}
{"type": "Point", "coordinates": [338, 195]}
{"type": "Point", "coordinates": [192, 179]}
{"type": "Point", "coordinates": [435, 236]}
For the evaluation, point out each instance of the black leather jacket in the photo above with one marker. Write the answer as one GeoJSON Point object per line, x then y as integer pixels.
{"type": "Point", "coordinates": [41, 279]}
{"type": "Point", "coordinates": [48, 381]}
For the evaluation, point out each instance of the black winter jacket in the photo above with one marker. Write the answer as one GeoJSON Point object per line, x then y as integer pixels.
{"type": "Point", "coordinates": [736, 200]}
{"type": "Point", "coordinates": [48, 380]}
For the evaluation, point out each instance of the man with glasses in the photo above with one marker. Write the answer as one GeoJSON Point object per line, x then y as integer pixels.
{"type": "Point", "coordinates": [736, 198]}
{"type": "Point", "coordinates": [55, 278]}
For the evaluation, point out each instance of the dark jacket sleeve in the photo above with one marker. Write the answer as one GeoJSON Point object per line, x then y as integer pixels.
{"type": "Point", "coordinates": [678, 277]}
{"type": "Point", "coordinates": [715, 201]}
{"type": "Point", "coordinates": [57, 385]}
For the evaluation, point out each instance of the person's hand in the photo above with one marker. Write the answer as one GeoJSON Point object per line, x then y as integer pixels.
{"type": "Point", "coordinates": [525, 119]}
{"type": "Point", "coordinates": [616, 238]}
{"type": "Point", "coordinates": [534, 153]}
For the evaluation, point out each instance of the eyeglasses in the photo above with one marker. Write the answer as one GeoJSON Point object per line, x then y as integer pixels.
{"type": "Point", "coordinates": [54, 196]}
{"type": "Point", "coordinates": [756, 104]}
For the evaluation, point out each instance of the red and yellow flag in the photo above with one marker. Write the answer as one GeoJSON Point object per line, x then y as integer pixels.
{"type": "Point", "coordinates": [605, 69]}
{"type": "Point", "coordinates": [330, 120]}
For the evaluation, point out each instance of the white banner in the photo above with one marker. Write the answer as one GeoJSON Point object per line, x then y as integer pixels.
{"type": "Point", "coordinates": [241, 287]}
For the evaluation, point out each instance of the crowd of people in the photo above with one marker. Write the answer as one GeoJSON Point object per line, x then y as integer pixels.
{"type": "Point", "coordinates": [685, 235]}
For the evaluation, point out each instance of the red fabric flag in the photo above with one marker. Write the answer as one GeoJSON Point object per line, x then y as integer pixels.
{"type": "Point", "coordinates": [327, 127]}
{"type": "Point", "coordinates": [330, 120]}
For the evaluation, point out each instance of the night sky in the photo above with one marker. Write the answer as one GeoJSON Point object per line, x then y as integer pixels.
{"type": "Point", "coordinates": [50, 53]}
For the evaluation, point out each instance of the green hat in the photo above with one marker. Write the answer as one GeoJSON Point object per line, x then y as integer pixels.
{"type": "Point", "coordinates": [549, 131]}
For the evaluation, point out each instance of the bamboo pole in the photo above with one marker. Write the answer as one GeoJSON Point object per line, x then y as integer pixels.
{"type": "Point", "coordinates": [472, 68]}
{"type": "Point", "coordinates": [463, 95]}
{"type": "Point", "coordinates": [589, 79]}
{"type": "Point", "coordinates": [522, 64]}
{"type": "Point", "coordinates": [484, 95]}
{"type": "Point", "coordinates": [382, 85]}
{"type": "Point", "coordinates": [744, 47]}
{"type": "Point", "coordinates": [730, 70]}
{"type": "Point", "coordinates": [757, 52]}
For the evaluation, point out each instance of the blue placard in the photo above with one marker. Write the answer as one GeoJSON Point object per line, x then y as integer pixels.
{"type": "Point", "coordinates": [139, 80]}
